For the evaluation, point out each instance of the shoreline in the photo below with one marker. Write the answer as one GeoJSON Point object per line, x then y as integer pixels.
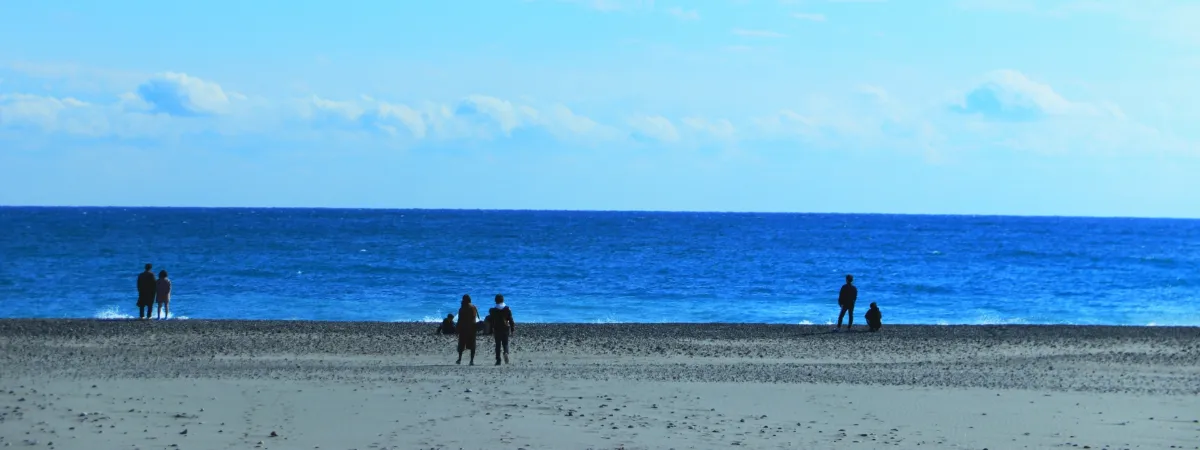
{"type": "Point", "coordinates": [857, 325]}
{"type": "Point", "coordinates": [89, 383]}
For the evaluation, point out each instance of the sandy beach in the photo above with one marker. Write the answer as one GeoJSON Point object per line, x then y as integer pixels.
{"type": "Point", "coordinates": [87, 384]}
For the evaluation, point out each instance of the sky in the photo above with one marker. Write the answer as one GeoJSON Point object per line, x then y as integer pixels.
{"type": "Point", "coordinates": [1013, 107]}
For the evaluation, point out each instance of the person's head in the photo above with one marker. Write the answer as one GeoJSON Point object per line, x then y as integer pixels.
{"type": "Point", "coordinates": [873, 306]}
{"type": "Point", "coordinates": [466, 299]}
{"type": "Point", "coordinates": [162, 274]}
{"type": "Point", "coordinates": [849, 279]}
{"type": "Point", "coordinates": [148, 266]}
{"type": "Point", "coordinates": [450, 316]}
{"type": "Point", "coordinates": [499, 299]}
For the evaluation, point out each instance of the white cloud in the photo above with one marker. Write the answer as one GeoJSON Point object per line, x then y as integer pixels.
{"type": "Point", "coordinates": [812, 17]}
{"type": "Point", "coordinates": [757, 33]}
{"type": "Point", "coordinates": [786, 123]}
{"type": "Point", "coordinates": [507, 116]}
{"type": "Point", "coordinates": [656, 127]}
{"type": "Point", "coordinates": [178, 94]}
{"type": "Point", "coordinates": [613, 5]}
{"type": "Point", "coordinates": [568, 125]}
{"type": "Point", "coordinates": [50, 114]}
{"type": "Point", "coordinates": [341, 109]}
{"type": "Point", "coordinates": [721, 129]}
{"type": "Point", "coordinates": [683, 14]}
{"type": "Point", "coordinates": [1010, 95]}
{"type": "Point", "coordinates": [1012, 105]}
{"type": "Point", "coordinates": [473, 117]}
{"type": "Point", "coordinates": [412, 119]}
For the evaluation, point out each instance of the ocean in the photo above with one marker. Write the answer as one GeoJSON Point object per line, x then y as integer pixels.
{"type": "Point", "coordinates": [600, 267]}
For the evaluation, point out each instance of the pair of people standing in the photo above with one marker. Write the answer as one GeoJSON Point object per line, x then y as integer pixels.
{"type": "Point", "coordinates": [846, 299]}
{"type": "Point", "coordinates": [151, 291]}
{"type": "Point", "coordinates": [502, 326]}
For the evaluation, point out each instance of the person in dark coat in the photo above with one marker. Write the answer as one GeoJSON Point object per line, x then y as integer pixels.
{"type": "Point", "coordinates": [502, 327]}
{"type": "Point", "coordinates": [447, 326]}
{"type": "Point", "coordinates": [467, 315]}
{"type": "Point", "coordinates": [874, 318]}
{"type": "Point", "coordinates": [147, 288]}
{"type": "Point", "coordinates": [846, 299]}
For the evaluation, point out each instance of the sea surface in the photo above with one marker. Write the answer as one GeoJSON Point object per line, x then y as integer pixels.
{"type": "Point", "coordinates": [414, 265]}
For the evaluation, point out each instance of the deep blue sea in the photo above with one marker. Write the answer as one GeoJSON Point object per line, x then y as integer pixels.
{"type": "Point", "coordinates": [413, 265]}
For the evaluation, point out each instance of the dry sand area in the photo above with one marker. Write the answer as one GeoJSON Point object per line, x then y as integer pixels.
{"type": "Point", "coordinates": [86, 384]}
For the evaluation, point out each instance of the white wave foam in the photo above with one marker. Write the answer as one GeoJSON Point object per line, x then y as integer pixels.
{"type": "Point", "coordinates": [989, 319]}
{"type": "Point", "coordinates": [112, 313]}
{"type": "Point", "coordinates": [805, 322]}
{"type": "Point", "coordinates": [606, 319]}
{"type": "Point", "coordinates": [115, 313]}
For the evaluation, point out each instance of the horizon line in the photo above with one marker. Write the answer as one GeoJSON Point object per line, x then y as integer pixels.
{"type": "Point", "coordinates": [649, 211]}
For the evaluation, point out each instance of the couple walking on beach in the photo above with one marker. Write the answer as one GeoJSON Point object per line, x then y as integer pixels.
{"type": "Point", "coordinates": [502, 327]}
{"type": "Point", "coordinates": [151, 291]}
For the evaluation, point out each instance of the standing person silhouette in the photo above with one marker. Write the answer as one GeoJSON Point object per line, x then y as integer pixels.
{"type": "Point", "coordinates": [147, 288]}
{"type": "Point", "coordinates": [467, 314]}
{"type": "Point", "coordinates": [163, 295]}
{"type": "Point", "coordinates": [502, 327]}
{"type": "Point", "coordinates": [846, 299]}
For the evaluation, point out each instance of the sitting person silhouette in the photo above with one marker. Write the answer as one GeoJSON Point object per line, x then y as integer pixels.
{"type": "Point", "coordinates": [874, 318]}
{"type": "Point", "coordinates": [447, 326]}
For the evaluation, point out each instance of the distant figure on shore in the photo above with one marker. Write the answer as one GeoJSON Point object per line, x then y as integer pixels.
{"type": "Point", "coordinates": [147, 288]}
{"type": "Point", "coordinates": [874, 318]}
{"type": "Point", "coordinates": [846, 299]}
{"type": "Point", "coordinates": [467, 315]}
{"type": "Point", "coordinates": [162, 295]}
{"type": "Point", "coordinates": [447, 326]}
{"type": "Point", "coordinates": [487, 324]}
{"type": "Point", "coordinates": [502, 327]}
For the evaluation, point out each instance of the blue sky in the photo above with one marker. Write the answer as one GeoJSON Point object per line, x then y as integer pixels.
{"type": "Point", "coordinates": [1068, 107]}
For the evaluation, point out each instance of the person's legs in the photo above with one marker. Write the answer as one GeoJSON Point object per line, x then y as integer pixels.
{"type": "Point", "coordinates": [506, 349]}
{"type": "Point", "coordinates": [850, 320]}
{"type": "Point", "coordinates": [167, 310]}
{"type": "Point", "coordinates": [472, 355]}
{"type": "Point", "coordinates": [461, 346]}
{"type": "Point", "coordinates": [842, 315]}
{"type": "Point", "coordinates": [142, 312]}
{"type": "Point", "coordinates": [497, 338]}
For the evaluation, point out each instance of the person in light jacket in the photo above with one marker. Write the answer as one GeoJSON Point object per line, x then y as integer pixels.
{"type": "Point", "coordinates": [162, 295]}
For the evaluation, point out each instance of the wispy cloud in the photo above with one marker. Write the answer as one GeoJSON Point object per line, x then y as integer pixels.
{"type": "Point", "coordinates": [813, 17]}
{"type": "Point", "coordinates": [684, 14]}
{"type": "Point", "coordinates": [654, 127]}
{"type": "Point", "coordinates": [612, 5]}
{"type": "Point", "coordinates": [758, 33]}
{"type": "Point", "coordinates": [1009, 95]}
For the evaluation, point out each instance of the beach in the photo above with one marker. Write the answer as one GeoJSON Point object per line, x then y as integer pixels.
{"type": "Point", "coordinates": [194, 384]}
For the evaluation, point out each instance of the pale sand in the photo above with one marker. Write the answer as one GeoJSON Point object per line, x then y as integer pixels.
{"type": "Point", "coordinates": [139, 385]}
